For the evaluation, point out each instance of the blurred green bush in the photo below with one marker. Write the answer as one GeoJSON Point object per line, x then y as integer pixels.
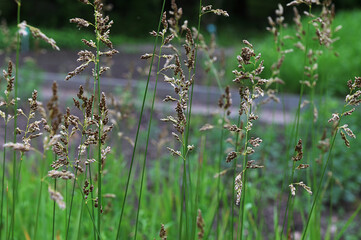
{"type": "Point", "coordinates": [334, 71]}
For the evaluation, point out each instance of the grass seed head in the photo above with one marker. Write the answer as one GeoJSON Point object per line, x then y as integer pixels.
{"type": "Point", "coordinates": [335, 118]}
{"type": "Point", "coordinates": [80, 22]}
{"type": "Point", "coordinates": [66, 175]}
{"type": "Point", "coordinates": [18, 146]}
{"type": "Point", "coordinates": [304, 186]}
{"type": "Point", "coordinates": [36, 33]}
{"type": "Point", "coordinates": [163, 233]}
{"type": "Point", "coordinates": [200, 225]}
{"type": "Point", "coordinates": [238, 188]}
{"type": "Point", "coordinates": [344, 138]}
{"type": "Point", "coordinates": [57, 197]}
{"type": "Point", "coordinates": [293, 189]}
{"type": "Point", "coordinates": [298, 150]}
{"type": "Point", "coordinates": [232, 155]}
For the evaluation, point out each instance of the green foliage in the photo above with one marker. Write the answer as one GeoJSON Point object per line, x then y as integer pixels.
{"type": "Point", "coordinates": [335, 71]}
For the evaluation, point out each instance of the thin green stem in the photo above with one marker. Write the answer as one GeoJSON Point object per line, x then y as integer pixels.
{"type": "Point", "coordinates": [198, 185]}
{"type": "Point", "coordinates": [244, 175]}
{"type": "Point", "coordinates": [3, 177]}
{"type": "Point", "coordinates": [138, 128]}
{"type": "Point", "coordinates": [184, 203]}
{"type": "Point", "coordinates": [220, 158]}
{"type": "Point", "coordinates": [322, 176]}
{"type": "Point", "coordinates": [66, 204]}
{"type": "Point", "coordinates": [80, 218]}
{"type": "Point", "coordinates": [180, 229]}
{"type": "Point", "coordinates": [90, 214]}
{"type": "Point", "coordinates": [297, 118]}
{"type": "Point", "coordinates": [349, 221]}
{"type": "Point", "coordinates": [82, 208]}
{"type": "Point", "coordinates": [15, 119]}
{"type": "Point", "coordinates": [91, 195]}
{"type": "Point", "coordinates": [194, 214]}
{"type": "Point", "coordinates": [146, 146]}
{"type": "Point", "coordinates": [71, 202]}
{"type": "Point", "coordinates": [73, 189]}
{"type": "Point", "coordinates": [285, 217]}
{"type": "Point", "coordinates": [194, 70]}
{"type": "Point", "coordinates": [54, 205]}
{"type": "Point", "coordinates": [7, 215]}
{"type": "Point", "coordinates": [100, 172]}
{"type": "Point", "coordinates": [206, 235]}
{"type": "Point", "coordinates": [96, 85]}
{"type": "Point", "coordinates": [40, 194]}
{"type": "Point", "coordinates": [233, 182]}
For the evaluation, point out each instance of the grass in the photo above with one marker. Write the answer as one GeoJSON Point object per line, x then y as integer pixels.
{"type": "Point", "coordinates": [234, 178]}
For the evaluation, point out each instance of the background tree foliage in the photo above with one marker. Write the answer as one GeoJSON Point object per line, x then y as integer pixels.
{"type": "Point", "coordinates": [134, 18]}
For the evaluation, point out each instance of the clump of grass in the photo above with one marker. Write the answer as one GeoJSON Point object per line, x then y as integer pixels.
{"type": "Point", "coordinates": [352, 99]}
{"type": "Point", "coordinates": [102, 25]}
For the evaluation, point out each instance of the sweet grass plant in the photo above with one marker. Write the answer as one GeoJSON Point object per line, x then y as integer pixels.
{"type": "Point", "coordinates": [201, 183]}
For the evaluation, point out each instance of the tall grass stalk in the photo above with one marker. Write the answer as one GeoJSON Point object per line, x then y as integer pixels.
{"type": "Point", "coordinates": [80, 219]}
{"type": "Point", "coordinates": [92, 213]}
{"type": "Point", "coordinates": [97, 80]}
{"type": "Point", "coordinates": [138, 128]}
{"type": "Point", "coordinates": [198, 184]}
{"type": "Point", "coordinates": [194, 214]}
{"type": "Point", "coordinates": [82, 209]}
{"type": "Point", "coordinates": [3, 178]}
{"type": "Point", "coordinates": [68, 218]}
{"type": "Point", "coordinates": [220, 158]}
{"type": "Point", "coordinates": [183, 201]}
{"type": "Point", "coordinates": [233, 182]}
{"type": "Point", "coordinates": [95, 93]}
{"type": "Point", "coordinates": [244, 177]}
{"type": "Point", "coordinates": [66, 209]}
{"type": "Point", "coordinates": [3, 165]}
{"type": "Point", "coordinates": [147, 140]}
{"type": "Point", "coordinates": [54, 210]}
{"type": "Point", "coordinates": [315, 200]}
{"type": "Point", "coordinates": [42, 172]}
{"type": "Point", "coordinates": [12, 225]}
{"type": "Point", "coordinates": [96, 232]}
{"type": "Point", "coordinates": [7, 229]}
{"type": "Point", "coordinates": [296, 123]}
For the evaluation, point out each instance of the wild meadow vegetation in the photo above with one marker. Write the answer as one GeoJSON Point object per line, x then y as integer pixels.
{"type": "Point", "coordinates": [104, 166]}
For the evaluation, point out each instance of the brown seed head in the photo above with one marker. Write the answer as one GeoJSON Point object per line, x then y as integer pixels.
{"type": "Point", "coordinates": [298, 150]}
{"type": "Point", "coordinates": [200, 225]}
{"type": "Point", "coordinates": [232, 155]}
{"type": "Point", "coordinates": [163, 233]}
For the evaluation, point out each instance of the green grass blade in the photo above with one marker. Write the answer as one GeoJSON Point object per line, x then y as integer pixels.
{"type": "Point", "coordinates": [146, 145]}
{"type": "Point", "coordinates": [347, 224]}
{"type": "Point", "coordinates": [138, 128]}
{"type": "Point", "coordinates": [12, 225]}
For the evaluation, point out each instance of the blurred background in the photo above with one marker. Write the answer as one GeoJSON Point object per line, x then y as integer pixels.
{"type": "Point", "coordinates": [134, 18]}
